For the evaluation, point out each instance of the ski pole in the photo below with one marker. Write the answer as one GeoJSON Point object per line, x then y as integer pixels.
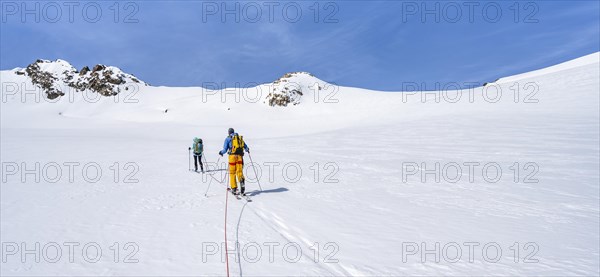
{"type": "Point", "coordinates": [254, 168]}
{"type": "Point", "coordinates": [189, 159]}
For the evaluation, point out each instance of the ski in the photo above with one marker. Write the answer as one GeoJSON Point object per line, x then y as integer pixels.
{"type": "Point", "coordinates": [236, 196]}
{"type": "Point", "coordinates": [246, 197]}
{"type": "Point", "coordinates": [240, 196]}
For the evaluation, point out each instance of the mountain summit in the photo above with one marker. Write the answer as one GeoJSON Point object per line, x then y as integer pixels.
{"type": "Point", "coordinates": [54, 78]}
{"type": "Point", "coordinates": [290, 88]}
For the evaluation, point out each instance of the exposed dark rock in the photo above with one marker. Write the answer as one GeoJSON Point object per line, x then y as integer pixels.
{"type": "Point", "coordinates": [278, 100]}
{"type": "Point", "coordinates": [98, 67]}
{"type": "Point", "coordinates": [493, 82]}
{"type": "Point", "coordinates": [84, 70]}
{"type": "Point", "coordinates": [108, 76]}
{"type": "Point", "coordinates": [43, 79]}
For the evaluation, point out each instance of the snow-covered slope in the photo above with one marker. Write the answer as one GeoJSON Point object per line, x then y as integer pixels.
{"type": "Point", "coordinates": [343, 173]}
{"type": "Point", "coordinates": [588, 60]}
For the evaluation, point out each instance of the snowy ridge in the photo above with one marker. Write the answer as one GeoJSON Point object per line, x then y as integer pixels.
{"type": "Point", "coordinates": [593, 58]}
{"type": "Point", "coordinates": [55, 78]}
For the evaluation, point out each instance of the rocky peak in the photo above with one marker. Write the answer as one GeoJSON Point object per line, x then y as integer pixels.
{"type": "Point", "coordinates": [56, 77]}
{"type": "Point", "coordinates": [290, 88]}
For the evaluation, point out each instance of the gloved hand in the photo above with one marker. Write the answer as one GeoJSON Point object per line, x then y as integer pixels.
{"type": "Point", "coordinates": [248, 150]}
{"type": "Point", "coordinates": [220, 154]}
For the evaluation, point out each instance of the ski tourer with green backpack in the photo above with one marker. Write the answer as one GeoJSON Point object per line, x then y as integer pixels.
{"type": "Point", "coordinates": [198, 149]}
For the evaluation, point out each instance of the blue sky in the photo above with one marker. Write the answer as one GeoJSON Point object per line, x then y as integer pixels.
{"type": "Point", "coordinates": [371, 44]}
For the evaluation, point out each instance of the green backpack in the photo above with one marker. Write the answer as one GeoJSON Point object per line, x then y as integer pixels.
{"type": "Point", "coordinates": [197, 146]}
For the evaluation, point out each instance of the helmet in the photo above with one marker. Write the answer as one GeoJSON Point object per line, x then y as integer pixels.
{"type": "Point", "coordinates": [230, 131]}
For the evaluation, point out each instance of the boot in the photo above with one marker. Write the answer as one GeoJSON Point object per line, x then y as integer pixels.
{"type": "Point", "coordinates": [242, 187]}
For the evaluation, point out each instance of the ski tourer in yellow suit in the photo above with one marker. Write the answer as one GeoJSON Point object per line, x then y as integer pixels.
{"type": "Point", "coordinates": [234, 146]}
